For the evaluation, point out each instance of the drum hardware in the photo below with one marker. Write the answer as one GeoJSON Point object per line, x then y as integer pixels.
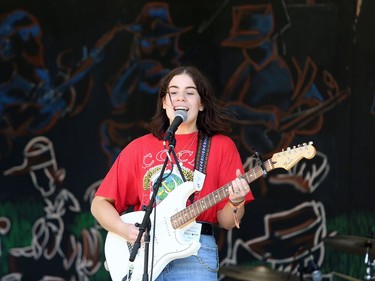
{"type": "Point", "coordinates": [369, 275]}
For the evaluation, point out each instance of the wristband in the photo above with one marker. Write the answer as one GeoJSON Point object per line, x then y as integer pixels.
{"type": "Point", "coordinates": [235, 207]}
{"type": "Point", "coordinates": [233, 204]}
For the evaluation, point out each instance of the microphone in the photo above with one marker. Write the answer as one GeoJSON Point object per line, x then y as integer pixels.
{"type": "Point", "coordinates": [179, 117]}
{"type": "Point", "coordinates": [316, 274]}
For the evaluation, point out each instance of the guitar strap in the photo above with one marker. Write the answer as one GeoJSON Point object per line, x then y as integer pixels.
{"type": "Point", "coordinates": [203, 150]}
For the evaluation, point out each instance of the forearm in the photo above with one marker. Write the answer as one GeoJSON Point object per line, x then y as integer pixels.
{"type": "Point", "coordinates": [106, 215]}
{"type": "Point", "coordinates": [226, 216]}
{"type": "Point", "coordinates": [232, 213]}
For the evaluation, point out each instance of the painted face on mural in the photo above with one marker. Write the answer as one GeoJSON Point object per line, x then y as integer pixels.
{"type": "Point", "coordinates": [155, 45]}
{"type": "Point", "coordinates": [46, 180]}
{"type": "Point", "coordinates": [183, 95]}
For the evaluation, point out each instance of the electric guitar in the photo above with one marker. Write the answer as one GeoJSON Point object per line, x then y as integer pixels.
{"type": "Point", "coordinates": [173, 218]}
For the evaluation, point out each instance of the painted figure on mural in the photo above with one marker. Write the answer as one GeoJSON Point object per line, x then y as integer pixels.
{"type": "Point", "coordinates": [54, 248]}
{"type": "Point", "coordinates": [261, 90]}
{"type": "Point", "coordinates": [272, 107]}
{"type": "Point", "coordinates": [133, 90]}
{"type": "Point", "coordinates": [32, 99]}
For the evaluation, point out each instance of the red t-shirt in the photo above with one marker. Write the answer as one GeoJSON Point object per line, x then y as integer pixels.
{"type": "Point", "coordinates": [132, 176]}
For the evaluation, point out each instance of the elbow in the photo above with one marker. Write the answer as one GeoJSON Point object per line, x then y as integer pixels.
{"type": "Point", "coordinates": [93, 207]}
{"type": "Point", "coordinates": [227, 227]}
{"type": "Point", "coordinates": [226, 223]}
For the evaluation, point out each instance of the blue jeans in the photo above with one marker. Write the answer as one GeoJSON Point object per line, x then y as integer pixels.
{"type": "Point", "coordinates": [201, 267]}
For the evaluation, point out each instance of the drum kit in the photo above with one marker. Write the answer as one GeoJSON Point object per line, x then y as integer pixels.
{"type": "Point", "coordinates": [350, 244]}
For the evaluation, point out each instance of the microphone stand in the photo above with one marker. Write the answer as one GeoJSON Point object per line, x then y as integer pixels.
{"type": "Point", "coordinates": [145, 226]}
{"type": "Point", "coordinates": [301, 270]}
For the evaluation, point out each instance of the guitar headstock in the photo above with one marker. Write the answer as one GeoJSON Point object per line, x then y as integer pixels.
{"type": "Point", "coordinates": [291, 156]}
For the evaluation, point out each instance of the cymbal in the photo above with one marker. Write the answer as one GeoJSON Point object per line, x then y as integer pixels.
{"type": "Point", "coordinates": [257, 273]}
{"type": "Point", "coordinates": [351, 244]}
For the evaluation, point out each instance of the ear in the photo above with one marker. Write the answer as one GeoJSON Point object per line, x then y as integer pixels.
{"type": "Point", "coordinates": [201, 108]}
{"type": "Point", "coordinates": [164, 104]}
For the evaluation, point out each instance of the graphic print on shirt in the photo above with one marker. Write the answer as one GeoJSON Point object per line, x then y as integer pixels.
{"type": "Point", "coordinates": [172, 180]}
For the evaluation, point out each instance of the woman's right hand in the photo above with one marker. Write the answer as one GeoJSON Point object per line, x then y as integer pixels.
{"type": "Point", "coordinates": [131, 232]}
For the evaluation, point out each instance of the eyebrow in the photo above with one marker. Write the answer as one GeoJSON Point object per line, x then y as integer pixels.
{"type": "Point", "coordinates": [189, 87]}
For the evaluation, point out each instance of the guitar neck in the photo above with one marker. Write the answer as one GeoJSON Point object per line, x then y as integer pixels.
{"type": "Point", "coordinates": [194, 210]}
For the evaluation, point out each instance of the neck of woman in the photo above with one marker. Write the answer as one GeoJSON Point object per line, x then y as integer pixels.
{"type": "Point", "coordinates": [186, 129]}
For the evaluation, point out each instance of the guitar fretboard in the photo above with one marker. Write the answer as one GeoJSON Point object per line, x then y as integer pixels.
{"type": "Point", "coordinates": [191, 212]}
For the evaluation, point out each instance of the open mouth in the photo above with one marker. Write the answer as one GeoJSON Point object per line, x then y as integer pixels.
{"type": "Point", "coordinates": [181, 108]}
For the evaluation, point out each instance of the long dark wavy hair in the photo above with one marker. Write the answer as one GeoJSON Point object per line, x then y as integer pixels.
{"type": "Point", "coordinates": [214, 119]}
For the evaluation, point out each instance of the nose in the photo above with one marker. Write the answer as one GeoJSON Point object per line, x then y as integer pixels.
{"type": "Point", "coordinates": [180, 96]}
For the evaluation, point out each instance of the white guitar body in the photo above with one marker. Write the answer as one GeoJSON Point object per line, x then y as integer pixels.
{"type": "Point", "coordinates": [170, 243]}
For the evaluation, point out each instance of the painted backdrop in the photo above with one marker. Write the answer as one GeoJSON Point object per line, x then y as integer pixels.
{"type": "Point", "coordinates": [79, 81]}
